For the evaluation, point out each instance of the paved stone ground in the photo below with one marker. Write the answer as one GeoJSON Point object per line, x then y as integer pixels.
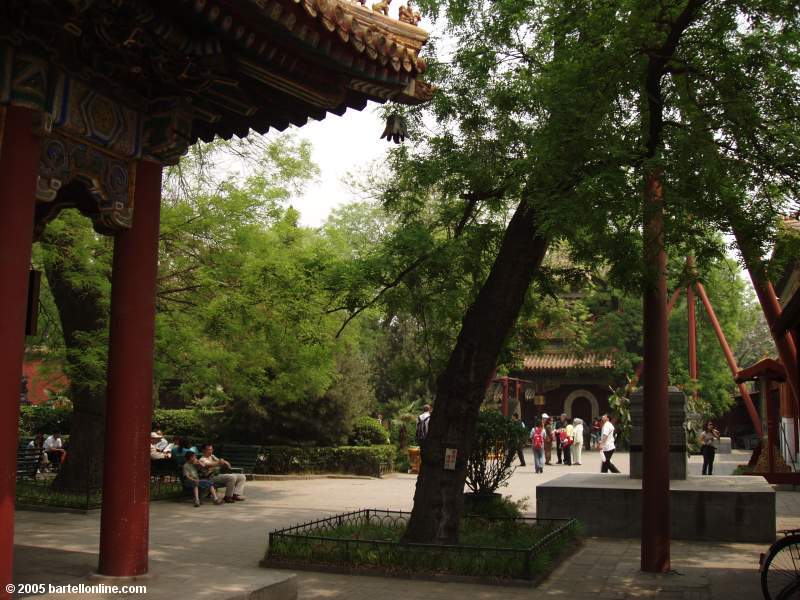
{"type": "Point", "coordinates": [231, 539]}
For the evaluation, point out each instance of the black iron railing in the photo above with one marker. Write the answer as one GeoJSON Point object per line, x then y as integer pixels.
{"type": "Point", "coordinates": [351, 539]}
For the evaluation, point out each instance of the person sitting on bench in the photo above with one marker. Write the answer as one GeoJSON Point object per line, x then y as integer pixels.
{"type": "Point", "coordinates": [155, 452]}
{"type": "Point", "coordinates": [193, 479]}
{"type": "Point", "coordinates": [54, 447]}
{"type": "Point", "coordinates": [233, 482]}
{"type": "Point", "coordinates": [38, 443]}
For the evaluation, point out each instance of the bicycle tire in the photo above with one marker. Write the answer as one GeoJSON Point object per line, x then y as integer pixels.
{"type": "Point", "coordinates": [780, 574]}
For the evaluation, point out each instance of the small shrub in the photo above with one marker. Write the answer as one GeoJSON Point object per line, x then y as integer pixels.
{"type": "Point", "coordinates": [368, 432]}
{"type": "Point", "coordinates": [401, 432]}
{"type": "Point", "coordinates": [497, 439]}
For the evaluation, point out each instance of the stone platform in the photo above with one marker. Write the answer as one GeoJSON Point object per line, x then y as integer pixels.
{"type": "Point", "coordinates": [725, 509]}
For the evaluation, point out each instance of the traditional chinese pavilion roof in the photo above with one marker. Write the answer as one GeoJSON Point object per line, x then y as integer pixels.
{"type": "Point", "coordinates": [568, 361]}
{"type": "Point", "coordinates": [767, 367]}
{"type": "Point", "coordinates": [156, 75]}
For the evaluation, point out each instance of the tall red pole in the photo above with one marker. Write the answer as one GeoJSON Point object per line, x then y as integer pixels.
{"type": "Point", "coordinates": [692, 338]}
{"type": "Point", "coordinates": [655, 555]}
{"type": "Point", "coordinates": [19, 160]}
{"type": "Point", "coordinates": [772, 423]}
{"type": "Point", "coordinates": [670, 305]}
{"type": "Point", "coordinates": [726, 349]}
{"type": "Point", "coordinates": [126, 491]}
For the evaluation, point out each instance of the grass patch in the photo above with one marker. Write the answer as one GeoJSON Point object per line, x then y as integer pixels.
{"type": "Point", "coordinates": [42, 493]}
{"type": "Point", "coordinates": [493, 549]}
{"type": "Point", "coordinates": [743, 470]}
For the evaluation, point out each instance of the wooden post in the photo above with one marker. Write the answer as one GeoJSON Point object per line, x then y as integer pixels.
{"type": "Point", "coordinates": [124, 523]}
{"type": "Point", "coordinates": [20, 150]}
{"type": "Point", "coordinates": [655, 551]}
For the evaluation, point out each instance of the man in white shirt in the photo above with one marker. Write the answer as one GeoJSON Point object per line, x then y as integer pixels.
{"type": "Point", "coordinates": [55, 449]}
{"type": "Point", "coordinates": [232, 482]}
{"type": "Point", "coordinates": [607, 445]}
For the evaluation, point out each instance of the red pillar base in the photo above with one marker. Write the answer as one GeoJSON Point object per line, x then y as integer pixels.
{"type": "Point", "coordinates": [124, 525]}
{"type": "Point", "coordinates": [19, 164]}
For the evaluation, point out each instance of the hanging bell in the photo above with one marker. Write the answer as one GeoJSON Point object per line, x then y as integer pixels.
{"type": "Point", "coordinates": [395, 129]}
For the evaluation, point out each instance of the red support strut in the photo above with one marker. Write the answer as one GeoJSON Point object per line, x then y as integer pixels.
{"type": "Point", "coordinates": [19, 163]}
{"type": "Point", "coordinates": [126, 492]}
{"type": "Point", "coordinates": [712, 316]}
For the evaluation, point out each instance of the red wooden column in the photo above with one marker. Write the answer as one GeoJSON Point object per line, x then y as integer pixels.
{"type": "Point", "coordinates": [655, 550]}
{"type": "Point", "coordinates": [692, 338]}
{"type": "Point", "coordinates": [19, 160]}
{"type": "Point", "coordinates": [126, 491]}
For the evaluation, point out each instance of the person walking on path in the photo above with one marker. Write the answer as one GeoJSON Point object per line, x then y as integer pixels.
{"type": "Point", "coordinates": [567, 440]}
{"type": "Point", "coordinates": [577, 441]}
{"type": "Point", "coordinates": [547, 425]}
{"type": "Point", "coordinates": [560, 426]}
{"type": "Point", "coordinates": [538, 441]}
{"type": "Point", "coordinates": [709, 441]}
{"type": "Point", "coordinates": [423, 422]}
{"type": "Point", "coordinates": [521, 449]}
{"type": "Point", "coordinates": [606, 446]}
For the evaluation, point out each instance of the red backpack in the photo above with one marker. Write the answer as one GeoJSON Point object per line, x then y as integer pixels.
{"type": "Point", "coordinates": [538, 437]}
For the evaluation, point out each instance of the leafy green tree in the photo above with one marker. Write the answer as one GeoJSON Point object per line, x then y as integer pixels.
{"type": "Point", "coordinates": [551, 116]}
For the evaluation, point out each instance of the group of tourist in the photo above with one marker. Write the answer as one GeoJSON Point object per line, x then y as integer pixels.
{"type": "Point", "coordinates": [201, 471]}
{"type": "Point", "coordinates": [568, 439]}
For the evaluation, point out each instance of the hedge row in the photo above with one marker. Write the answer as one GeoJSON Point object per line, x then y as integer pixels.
{"type": "Point", "coordinates": [44, 419]}
{"type": "Point", "coordinates": [184, 422]}
{"type": "Point", "coordinates": [356, 460]}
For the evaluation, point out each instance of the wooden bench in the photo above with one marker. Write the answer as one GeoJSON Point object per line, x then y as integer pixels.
{"type": "Point", "coordinates": [243, 458]}
{"type": "Point", "coordinates": [28, 461]}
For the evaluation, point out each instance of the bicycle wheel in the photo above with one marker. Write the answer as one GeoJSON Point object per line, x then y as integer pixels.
{"type": "Point", "coordinates": [780, 575]}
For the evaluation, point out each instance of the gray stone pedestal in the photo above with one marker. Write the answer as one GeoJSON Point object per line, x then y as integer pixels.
{"type": "Point", "coordinates": [724, 509]}
{"type": "Point", "coordinates": [678, 458]}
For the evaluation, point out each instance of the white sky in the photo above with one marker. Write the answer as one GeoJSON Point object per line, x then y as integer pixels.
{"type": "Point", "coordinates": [340, 145]}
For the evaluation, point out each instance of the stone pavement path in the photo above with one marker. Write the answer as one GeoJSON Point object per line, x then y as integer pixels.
{"type": "Point", "coordinates": [234, 537]}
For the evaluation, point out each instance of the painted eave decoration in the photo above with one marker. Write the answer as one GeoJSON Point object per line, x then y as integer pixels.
{"type": "Point", "coordinates": [167, 74]}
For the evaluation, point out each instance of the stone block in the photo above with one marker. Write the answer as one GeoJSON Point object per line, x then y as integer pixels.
{"type": "Point", "coordinates": [725, 445]}
{"type": "Point", "coordinates": [724, 509]}
{"type": "Point", "coordinates": [678, 458]}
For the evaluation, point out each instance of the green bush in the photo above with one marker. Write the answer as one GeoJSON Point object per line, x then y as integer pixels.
{"type": "Point", "coordinates": [356, 460]}
{"type": "Point", "coordinates": [368, 432]}
{"type": "Point", "coordinates": [44, 419]}
{"type": "Point", "coordinates": [187, 422]}
{"type": "Point", "coordinates": [497, 439]}
{"type": "Point", "coordinates": [409, 429]}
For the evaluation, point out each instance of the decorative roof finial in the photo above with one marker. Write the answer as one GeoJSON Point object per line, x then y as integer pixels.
{"type": "Point", "coordinates": [409, 15]}
{"type": "Point", "coordinates": [382, 7]}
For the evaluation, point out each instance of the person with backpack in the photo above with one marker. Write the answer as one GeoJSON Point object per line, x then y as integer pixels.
{"type": "Point", "coordinates": [422, 425]}
{"type": "Point", "coordinates": [538, 440]}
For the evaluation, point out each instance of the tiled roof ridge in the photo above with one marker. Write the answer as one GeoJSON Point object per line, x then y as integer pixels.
{"type": "Point", "coordinates": [557, 360]}
{"type": "Point", "coordinates": [383, 39]}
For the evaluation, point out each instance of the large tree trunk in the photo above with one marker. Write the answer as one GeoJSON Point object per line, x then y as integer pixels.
{"type": "Point", "coordinates": [83, 315]}
{"type": "Point", "coordinates": [438, 500]}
